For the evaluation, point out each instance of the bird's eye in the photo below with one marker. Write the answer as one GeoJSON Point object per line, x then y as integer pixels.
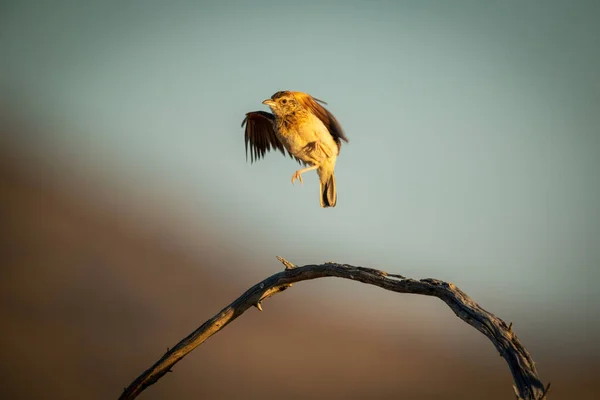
{"type": "Point", "coordinates": [283, 101]}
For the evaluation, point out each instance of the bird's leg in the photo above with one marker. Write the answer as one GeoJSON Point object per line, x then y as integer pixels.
{"type": "Point", "coordinates": [298, 174]}
{"type": "Point", "coordinates": [323, 149]}
{"type": "Point", "coordinates": [317, 146]}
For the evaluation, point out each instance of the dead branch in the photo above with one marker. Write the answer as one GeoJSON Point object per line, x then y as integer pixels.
{"type": "Point", "coordinates": [528, 385]}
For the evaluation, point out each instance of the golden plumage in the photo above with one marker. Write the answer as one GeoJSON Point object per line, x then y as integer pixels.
{"type": "Point", "coordinates": [305, 129]}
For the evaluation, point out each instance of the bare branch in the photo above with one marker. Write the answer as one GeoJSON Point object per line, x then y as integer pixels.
{"type": "Point", "coordinates": [528, 385]}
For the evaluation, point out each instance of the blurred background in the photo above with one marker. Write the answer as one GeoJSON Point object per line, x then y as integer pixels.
{"type": "Point", "coordinates": [129, 215]}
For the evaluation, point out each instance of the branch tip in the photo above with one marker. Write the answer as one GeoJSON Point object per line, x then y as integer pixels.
{"type": "Point", "coordinates": [517, 393]}
{"type": "Point", "coordinates": [545, 394]}
{"type": "Point", "coordinates": [288, 265]}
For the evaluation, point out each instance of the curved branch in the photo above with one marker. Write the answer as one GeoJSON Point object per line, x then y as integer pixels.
{"type": "Point", "coordinates": [528, 385]}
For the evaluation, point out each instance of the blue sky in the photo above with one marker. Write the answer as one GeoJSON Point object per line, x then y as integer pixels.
{"type": "Point", "coordinates": [473, 128]}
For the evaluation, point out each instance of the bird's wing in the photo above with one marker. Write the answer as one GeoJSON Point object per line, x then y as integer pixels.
{"type": "Point", "coordinates": [260, 134]}
{"type": "Point", "coordinates": [330, 122]}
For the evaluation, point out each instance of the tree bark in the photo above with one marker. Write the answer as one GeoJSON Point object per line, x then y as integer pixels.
{"type": "Point", "coordinates": [528, 385]}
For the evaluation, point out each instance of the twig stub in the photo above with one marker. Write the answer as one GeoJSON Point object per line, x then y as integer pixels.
{"type": "Point", "coordinates": [288, 265]}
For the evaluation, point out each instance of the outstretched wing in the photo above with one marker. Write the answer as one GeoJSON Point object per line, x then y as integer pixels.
{"type": "Point", "coordinates": [260, 134]}
{"type": "Point", "coordinates": [330, 122]}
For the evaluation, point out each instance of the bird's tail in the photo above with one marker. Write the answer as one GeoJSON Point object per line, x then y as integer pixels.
{"type": "Point", "coordinates": [328, 193]}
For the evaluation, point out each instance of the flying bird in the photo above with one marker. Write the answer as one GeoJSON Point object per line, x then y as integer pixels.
{"type": "Point", "coordinates": [303, 128]}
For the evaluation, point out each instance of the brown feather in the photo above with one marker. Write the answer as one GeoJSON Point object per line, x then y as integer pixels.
{"type": "Point", "coordinates": [260, 134]}
{"type": "Point", "coordinates": [330, 122]}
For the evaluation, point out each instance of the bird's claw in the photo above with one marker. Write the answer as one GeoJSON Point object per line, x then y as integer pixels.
{"type": "Point", "coordinates": [297, 175]}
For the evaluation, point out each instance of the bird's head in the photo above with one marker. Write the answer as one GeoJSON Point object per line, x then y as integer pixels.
{"type": "Point", "coordinates": [283, 103]}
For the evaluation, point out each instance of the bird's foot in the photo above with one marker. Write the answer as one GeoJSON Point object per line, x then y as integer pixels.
{"type": "Point", "coordinates": [297, 175]}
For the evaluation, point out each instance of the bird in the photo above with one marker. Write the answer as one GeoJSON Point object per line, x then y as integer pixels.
{"type": "Point", "coordinates": [303, 128]}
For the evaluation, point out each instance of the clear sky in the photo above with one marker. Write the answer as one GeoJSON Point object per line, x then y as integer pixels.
{"type": "Point", "coordinates": [473, 126]}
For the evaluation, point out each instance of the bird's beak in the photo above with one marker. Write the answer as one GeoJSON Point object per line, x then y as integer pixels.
{"type": "Point", "coordinates": [269, 102]}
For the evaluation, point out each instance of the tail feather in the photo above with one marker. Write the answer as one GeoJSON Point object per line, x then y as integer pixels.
{"type": "Point", "coordinates": [328, 193]}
